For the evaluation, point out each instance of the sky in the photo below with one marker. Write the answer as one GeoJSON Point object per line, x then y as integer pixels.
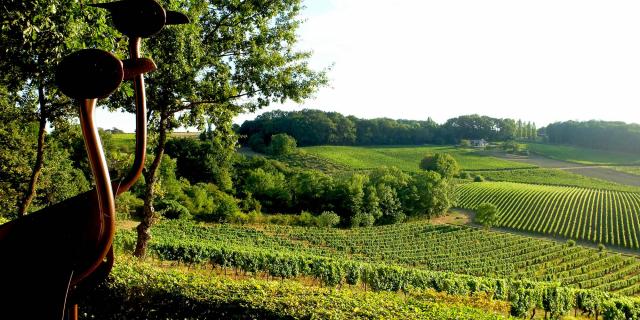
{"type": "Point", "coordinates": [540, 61]}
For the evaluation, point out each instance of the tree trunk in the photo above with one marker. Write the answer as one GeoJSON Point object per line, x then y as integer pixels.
{"type": "Point", "coordinates": [37, 166]}
{"type": "Point", "coordinates": [150, 177]}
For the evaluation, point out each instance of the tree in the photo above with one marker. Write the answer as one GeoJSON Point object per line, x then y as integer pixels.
{"type": "Point", "coordinates": [442, 163]}
{"type": "Point", "coordinates": [282, 144]}
{"type": "Point", "coordinates": [233, 56]}
{"type": "Point", "coordinates": [487, 215]}
{"type": "Point", "coordinates": [35, 35]}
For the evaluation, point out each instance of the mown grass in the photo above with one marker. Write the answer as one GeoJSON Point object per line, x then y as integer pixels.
{"type": "Point", "coordinates": [555, 177]}
{"type": "Point", "coordinates": [629, 170]}
{"type": "Point", "coordinates": [408, 157]}
{"type": "Point", "coordinates": [583, 155]}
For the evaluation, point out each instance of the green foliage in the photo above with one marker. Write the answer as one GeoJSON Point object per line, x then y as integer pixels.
{"type": "Point", "coordinates": [487, 215]}
{"type": "Point", "coordinates": [281, 144]}
{"type": "Point", "coordinates": [328, 219]}
{"type": "Point", "coordinates": [145, 292]}
{"type": "Point", "coordinates": [599, 216]}
{"type": "Point", "coordinates": [257, 144]}
{"type": "Point", "coordinates": [128, 205]}
{"type": "Point", "coordinates": [406, 157]}
{"type": "Point", "coordinates": [437, 248]}
{"type": "Point", "coordinates": [478, 178]}
{"type": "Point", "coordinates": [603, 135]}
{"type": "Point", "coordinates": [315, 127]}
{"type": "Point", "coordinates": [583, 155]}
{"type": "Point", "coordinates": [442, 163]}
{"type": "Point", "coordinates": [171, 209]}
{"type": "Point", "coordinates": [202, 160]}
{"type": "Point", "coordinates": [250, 250]}
{"type": "Point", "coordinates": [554, 177]}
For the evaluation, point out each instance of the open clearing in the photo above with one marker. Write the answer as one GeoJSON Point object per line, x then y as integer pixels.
{"type": "Point", "coordinates": [598, 172]}
{"type": "Point", "coordinates": [408, 157]}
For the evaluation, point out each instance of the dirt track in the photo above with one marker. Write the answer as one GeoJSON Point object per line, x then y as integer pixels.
{"type": "Point", "coordinates": [599, 172]}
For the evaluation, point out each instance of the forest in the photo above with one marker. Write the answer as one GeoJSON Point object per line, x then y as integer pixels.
{"type": "Point", "coordinates": [314, 127]}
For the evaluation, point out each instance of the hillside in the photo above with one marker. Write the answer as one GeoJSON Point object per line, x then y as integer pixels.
{"type": "Point", "coordinates": [599, 216]}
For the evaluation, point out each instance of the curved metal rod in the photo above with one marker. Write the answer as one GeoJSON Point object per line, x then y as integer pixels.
{"type": "Point", "coordinates": [141, 124]}
{"type": "Point", "coordinates": [106, 200]}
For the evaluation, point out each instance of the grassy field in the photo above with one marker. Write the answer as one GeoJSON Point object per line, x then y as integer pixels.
{"type": "Point", "coordinates": [583, 155]}
{"type": "Point", "coordinates": [554, 177]}
{"type": "Point", "coordinates": [408, 157]}
{"type": "Point", "coordinates": [599, 216]}
{"type": "Point", "coordinates": [628, 169]}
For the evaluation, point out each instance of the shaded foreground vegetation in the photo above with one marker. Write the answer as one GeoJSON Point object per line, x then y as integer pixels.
{"type": "Point", "coordinates": [140, 291]}
{"type": "Point", "coordinates": [332, 257]}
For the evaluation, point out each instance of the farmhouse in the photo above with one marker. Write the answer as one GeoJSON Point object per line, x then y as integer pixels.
{"type": "Point", "coordinates": [479, 143]}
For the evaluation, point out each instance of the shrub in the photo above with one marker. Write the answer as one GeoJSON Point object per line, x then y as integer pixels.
{"type": "Point", "coordinates": [281, 144]}
{"type": "Point", "coordinates": [571, 243]}
{"type": "Point", "coordinates": [464, 175]}
{"type": "Point", "coordinates": [306, 219]}
{"type": "Point", "coordinates": [601, 247]}
{"type": "Point", "coordinates": [172, 209]}
{"type": "Point", "coordinates": [478, 178]}
{"type": "Point", "coordinates": [362, 219]}
{"type": "Point", "coordinates": [256, 143]}
{"type": "Point", "coordinates": [239, 218]}
{"type": "Point", "coordinates": [487, 215]}
{"type": "Point", "coordinates": [442, 163]}
{"type": "Point", "coordinates": [127, 205]}
{"type": "Point", "coordinates": [328, 219]}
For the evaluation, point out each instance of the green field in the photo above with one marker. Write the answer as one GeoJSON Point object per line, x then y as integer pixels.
{"type": "Point", "coordinates": [408, 157]}
{"type": "Point", "coordinates": [554, 177]}
{"type": "Point", "coordinates": [629, 169]}
{"type": "Point", "coordinates": [438, 248]}
{"type": "Point", "coordinates": [599, 216]}
{"type": "Point", "coordinates": [151, 292]}
{"type": "Point", "coordinates": [583, 155]}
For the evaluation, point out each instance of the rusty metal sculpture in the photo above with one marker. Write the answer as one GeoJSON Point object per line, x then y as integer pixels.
{"type": "Point", "coordinates": [60, 249]}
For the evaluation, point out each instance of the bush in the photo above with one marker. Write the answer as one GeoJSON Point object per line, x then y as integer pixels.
{"type": "Point", "coordinates": [306, 219]}
{"type": "Point", "coordinates": [239, 218]}
{"type": "Point", "coordinates": [362, 219]}
{"type": "Point", "coordinates": [442, 163]}
{"type": "Point", "coordinates": [281, 144]}
{"type": "Point", "coordinates": [328, 219]}
{"type": "Point", "coordinates": [464, 175]}
{"type": "Point", "coordinates": [601, 247]}
{"type": "Point", "coordinates": [127, 205]}
{"type": "Point", "coordinates": [256, 143]}
{"type": "Point", "coordinates": [478, 178]}
{"type": "Point", "coordinates": [172, 209]}
{"type": "Point", "coordinates": [571, 243]}
{"type": "Point", "coordinates": [487, 215]}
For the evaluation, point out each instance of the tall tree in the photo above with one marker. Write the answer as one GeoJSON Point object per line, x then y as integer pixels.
{"type": "Point", "coordinates": [35, 35]}
{"type": "Point", "coordinates": [234, 56]}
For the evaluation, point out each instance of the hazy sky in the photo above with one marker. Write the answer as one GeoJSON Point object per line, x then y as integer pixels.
{"type": "Point", "coordinates": [543, 61]}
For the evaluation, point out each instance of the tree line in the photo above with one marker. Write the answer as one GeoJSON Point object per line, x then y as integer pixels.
{"type": "Point", "coordinates": [605, 135]}
{"type": "Point", "coordinates": [314, 127]}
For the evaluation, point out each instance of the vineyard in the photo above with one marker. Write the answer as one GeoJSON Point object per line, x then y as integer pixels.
{"type": "Point", "coordinates": [408, 158]}
{"type": "Point", "coordinates": [599, 216]}
{"type": "Point", "coordinates": [458, 249]}
{"type": "Point", "coordinates": [555, 177]}
{"type": "Point", "coordinates": [455, 260]}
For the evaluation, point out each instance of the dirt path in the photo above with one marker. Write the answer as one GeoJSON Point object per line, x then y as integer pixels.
{"type": "Point", "coordinates": [599, 172]}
